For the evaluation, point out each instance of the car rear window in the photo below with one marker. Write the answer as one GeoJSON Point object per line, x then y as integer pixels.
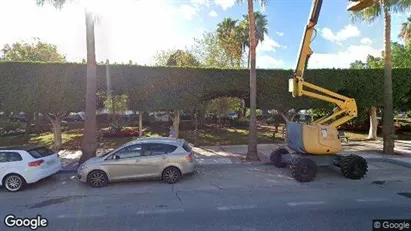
{"type": "Point", "coordinates": [40, 152]}
{"type": "Point", "coordinates": [186, 147]}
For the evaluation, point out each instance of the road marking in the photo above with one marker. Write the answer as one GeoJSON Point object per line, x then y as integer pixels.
{"type": "Point", "coordinates": [306, 203]}
{"type": "Point", "coordinates": [236, 207]}
{"type": "Point", "coordinates": [157, 211]}
{"type": "Point", "coordinates": [371, 199]}
{"type": "Point", "coordinates": [82, 216]}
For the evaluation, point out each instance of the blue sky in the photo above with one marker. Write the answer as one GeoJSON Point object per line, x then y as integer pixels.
{"type": "Point", "coordinates": [137, 29]}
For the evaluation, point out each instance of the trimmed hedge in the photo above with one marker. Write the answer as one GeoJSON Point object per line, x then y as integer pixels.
{"type": "Point", "coordinates": [52, 86]}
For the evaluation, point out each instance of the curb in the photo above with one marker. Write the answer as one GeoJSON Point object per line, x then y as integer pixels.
{"type": "Point", "coordinates": [68, 171]}
{"type": "Point", "coordinates": [238, 165]}
{"type": "Point", "coordinates": [232, 165]}
{"type": "Point", "coordinates": [393, 161]}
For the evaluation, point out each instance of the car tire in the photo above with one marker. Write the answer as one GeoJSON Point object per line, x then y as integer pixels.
{"type": "Point", "coordinates": [14, 182]}
{"type": "Point", "coordinates": [171, 175]}
{"type": "Point", "coordinates": [97, 179]}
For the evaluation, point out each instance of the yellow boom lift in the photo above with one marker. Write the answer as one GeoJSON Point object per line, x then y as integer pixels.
{"type": "Point", "coordinates": [318, 143]}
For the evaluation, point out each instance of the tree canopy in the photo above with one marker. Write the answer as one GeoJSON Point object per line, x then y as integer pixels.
{"type": "Point", "coordinates": [36, 51]}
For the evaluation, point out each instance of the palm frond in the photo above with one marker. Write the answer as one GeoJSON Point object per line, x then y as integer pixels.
{"type": "Point", "coordinates": [405, 31]}
{"type": "Point", "coordinates": [56, 3]}
{"type": "Point", "coordinates": [399, 6]}
{"type": "Point", "coordinates": [369, 14]}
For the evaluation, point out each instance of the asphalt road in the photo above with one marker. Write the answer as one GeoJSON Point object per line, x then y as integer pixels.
{"type": "Point", "coordinates": [313, 218]}
{"type": "Point", "coordinates": [301, 207]}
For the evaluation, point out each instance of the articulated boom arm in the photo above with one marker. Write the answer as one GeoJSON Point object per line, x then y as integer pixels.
{"type": "Point", "coordinates": [346, 108]}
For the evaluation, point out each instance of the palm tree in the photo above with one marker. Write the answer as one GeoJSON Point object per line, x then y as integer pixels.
{"type": "Point", "coordinates": [405, 32]}
{"type": "Point", "coordinates": [90, 127]}
{"type": "Point", "coordinates": [229, 38]}
{"type": "Point", "coordinates": [375, 10]}
{"type": "Point", "coordinates": [252, 139]}
{"type": "Point", "coordinates": [261, 29]}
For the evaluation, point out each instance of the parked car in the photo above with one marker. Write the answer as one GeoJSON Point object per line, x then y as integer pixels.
{"type": "Point", "coordinates": [26, 165]}
{"type": "Point", "coordinates": [165, 158]}
{"type": "Point", "coordinates": [73, 117]}
{"type": "Point", "coordinates": [232, 116]}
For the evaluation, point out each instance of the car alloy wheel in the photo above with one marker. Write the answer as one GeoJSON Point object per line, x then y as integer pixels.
{"type": "Point", "coordinates": [171, 175]}
{"type": "Point", "coordinates": [97, 179]}
{"type": "Point", "coordinates": [13, 183]}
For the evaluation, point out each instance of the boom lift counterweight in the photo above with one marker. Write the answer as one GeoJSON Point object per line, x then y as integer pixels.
{"type": "Point", "coordinates": [318, 143]}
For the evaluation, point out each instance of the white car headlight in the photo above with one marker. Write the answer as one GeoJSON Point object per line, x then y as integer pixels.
{"type": "Point", "coordinates": [81, 168]}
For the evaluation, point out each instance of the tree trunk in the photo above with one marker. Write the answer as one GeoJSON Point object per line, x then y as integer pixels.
{"type": "Point", "coordinates": [372, 133]}
{"type": "Point", "coordinates": [56, 123]}
{"type": "Point", "coordinates": [89, 146]}
{"type": "Point", "coordinates": [140, 123]}
{"type": "Point", "coordinates": [248, 59]}
{"type": "Point", "coordinates": [110, 92]}
{"type": "Point", "coordinates": [27, 131]}
{"type": "Point", "coordinates": [284, 117]}
{"type": "Point", "coordinates": [252, 139]}
{"type": "Point", "coordinates": [176, 122]}
{"type": "Point", "coordinates": [244, 109]}
{"type": "Point", "coordinates": [37, 122]}
{"type": "Point", "coordinates": [196, 129]}
{"type": "Point", "coordinates": [388, 123]}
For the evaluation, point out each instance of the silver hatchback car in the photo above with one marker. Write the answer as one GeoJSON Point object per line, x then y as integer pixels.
{"type": "Point", "coordinates": [164, 158]}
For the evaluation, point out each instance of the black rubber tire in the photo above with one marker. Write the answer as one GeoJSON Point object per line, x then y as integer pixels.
{"type": "Point", "coordinates": [304, 169]}
{"type": "Point", "coordinates": [20, 180]}
{"type": "Point", "coordinates": [353, 167]}
{"type": "Point", "coordinates": [96, 173]}
{"type": "Point", "coordinates": [276, 157]}
{"type": "Point", "coordinates": [171, 175]}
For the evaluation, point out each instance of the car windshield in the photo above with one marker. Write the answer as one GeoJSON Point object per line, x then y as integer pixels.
{"type": "Point", "coordinates": [107, 153]}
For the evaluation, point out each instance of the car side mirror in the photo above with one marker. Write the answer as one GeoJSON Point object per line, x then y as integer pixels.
{"type": "Point", "coordinates": [116, 157]}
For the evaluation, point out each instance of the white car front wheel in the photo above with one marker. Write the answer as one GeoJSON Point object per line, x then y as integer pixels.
{"type": "Point", "coordinates": [13, 183]}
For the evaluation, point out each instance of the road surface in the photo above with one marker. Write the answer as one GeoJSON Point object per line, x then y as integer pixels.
{"type": "Point", "coordinates": [249, 198]}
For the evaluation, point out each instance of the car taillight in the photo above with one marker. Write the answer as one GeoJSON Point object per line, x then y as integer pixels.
{"type": "Point", "coordinates": [190, 156]}
{"type": "Point", "coordinates": [36, 163]}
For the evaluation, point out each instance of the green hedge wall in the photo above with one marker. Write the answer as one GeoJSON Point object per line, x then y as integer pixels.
{"type": "Point", "coordinates": [52, 86]}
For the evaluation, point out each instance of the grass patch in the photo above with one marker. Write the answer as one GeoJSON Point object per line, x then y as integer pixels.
{"type": "Point", "coordinates": [358, 136]}
{"type": "Point", "coordinates": [210, 136]}
{"type": "Point", "coordinates": [46, 139]}
{"type": "Point", "coordinates": [228, 136]}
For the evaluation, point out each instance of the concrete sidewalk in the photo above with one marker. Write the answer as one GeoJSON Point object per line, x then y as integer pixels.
{"type": "Point", "coordinates": [235, 154]}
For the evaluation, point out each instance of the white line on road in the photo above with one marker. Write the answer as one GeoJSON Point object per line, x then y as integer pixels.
{"type": "Point", "coordinates": [306, 203]}
{"type": "Point", "coordinates": [157, 211]}
{"type": "Point", "coordinates": [236, 207]}
{"type": "Point", "coordinates": [81, 216]}
{"type": "Point", "coordinates": [371, 199]}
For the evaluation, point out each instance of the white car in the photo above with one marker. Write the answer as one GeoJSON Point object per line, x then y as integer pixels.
{"type": "Point", "coordinates": [26, 165]}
